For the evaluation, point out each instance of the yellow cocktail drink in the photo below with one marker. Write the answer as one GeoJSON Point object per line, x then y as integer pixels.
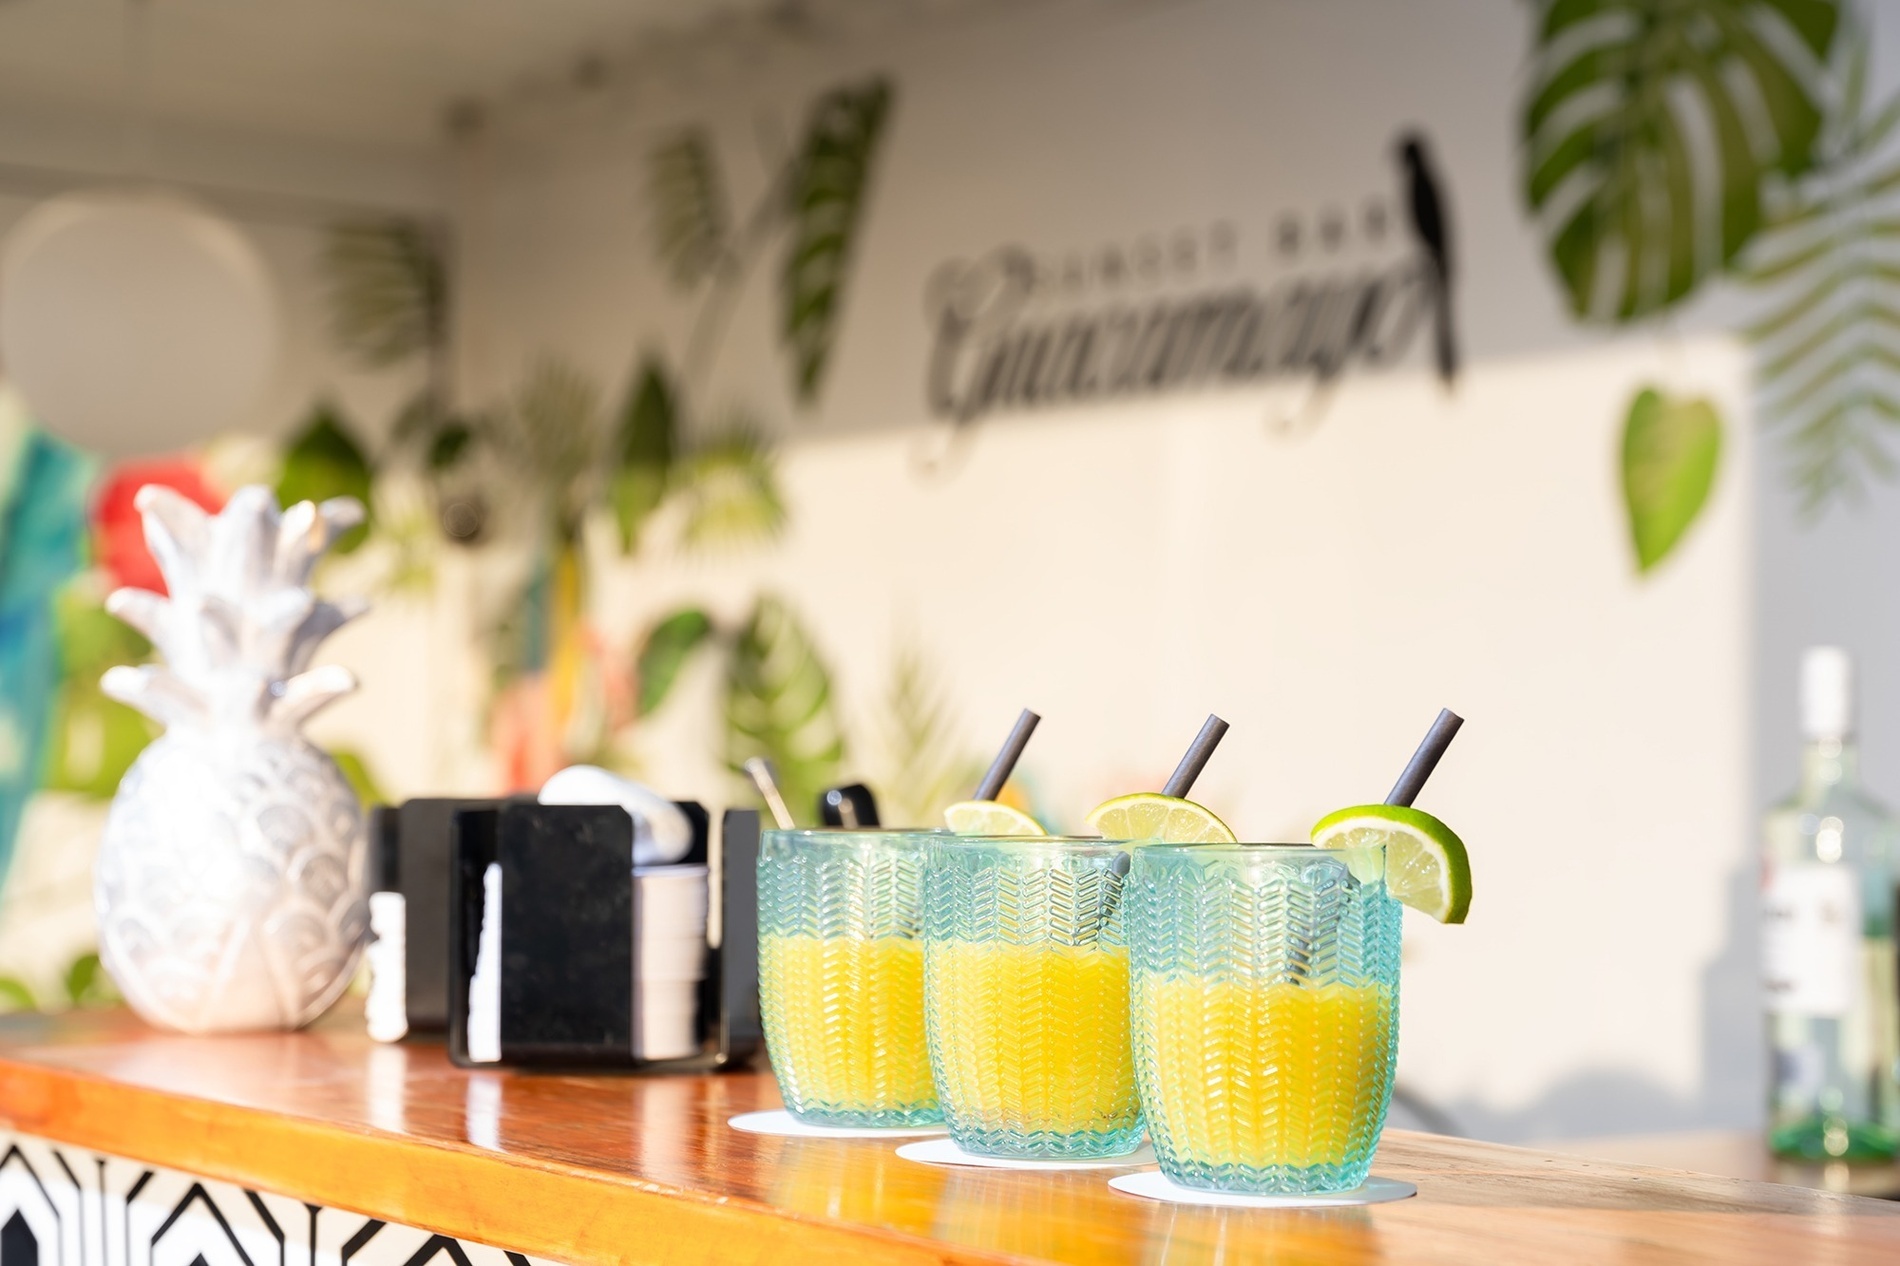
{"type": "Point", "coordinates": [845, 1022]}
{"type": "Point", "coordinates": [1032, 1040]}
{"type": "Point", "coordinates": [841, 976]}
{"type": "Point", "coordinates": [1026, 984]}
{"type": "Point", "coordinates": [1269, 1075]}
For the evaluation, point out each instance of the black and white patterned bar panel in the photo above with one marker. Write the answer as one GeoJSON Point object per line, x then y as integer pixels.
{"type": "Point", "coordinates": [66, 1206]}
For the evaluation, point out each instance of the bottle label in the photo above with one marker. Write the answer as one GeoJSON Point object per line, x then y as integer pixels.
{"type": "Point", "coordinates": [1810, 939]}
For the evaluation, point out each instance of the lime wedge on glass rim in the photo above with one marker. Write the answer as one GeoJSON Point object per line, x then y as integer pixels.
{"type": "Point", "coordinates": [1426, 866]}
{"type": "Point", "coordinates": [1149, 815]}
{"type": "Point", "coordinates": [989, 817]}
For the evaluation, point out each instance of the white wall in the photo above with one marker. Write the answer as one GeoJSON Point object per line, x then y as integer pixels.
{"type": "Point", "coordinates": [1125, 569]}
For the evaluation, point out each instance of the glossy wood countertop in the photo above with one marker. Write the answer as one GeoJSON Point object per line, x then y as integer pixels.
{"type": "Point", "coordinates": [634, 1170]}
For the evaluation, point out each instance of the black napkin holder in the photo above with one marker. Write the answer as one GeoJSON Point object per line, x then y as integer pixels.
{"type": "Point", "coordinates": [568, 930]}
{"type": "Point", "coordinates": [413, 845]}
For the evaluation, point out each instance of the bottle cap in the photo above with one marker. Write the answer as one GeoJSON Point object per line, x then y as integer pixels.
{"type": "Point", "coordinates": [1827, 693]}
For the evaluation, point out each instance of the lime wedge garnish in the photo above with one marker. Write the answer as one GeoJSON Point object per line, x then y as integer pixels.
{"type": "Point", "coordinates": [989, 817]}
{"type": "Point", "coordinates": [1425, 862]}
{"type": "Point", "coordinates": [1149, 815]}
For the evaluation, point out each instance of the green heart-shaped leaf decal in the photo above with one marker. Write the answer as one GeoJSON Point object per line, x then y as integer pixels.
{"type": "Point", "coordinates": [1670, 452]}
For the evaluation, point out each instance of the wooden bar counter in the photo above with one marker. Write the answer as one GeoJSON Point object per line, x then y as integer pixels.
{"type": "Point", "coordinates": [625, 1169]}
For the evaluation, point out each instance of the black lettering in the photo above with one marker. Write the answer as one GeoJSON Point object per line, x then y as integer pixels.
{"type": "Point", "coordinates": [1287, 335]}
{"type": "Point", "coordinates": [990, 377]}
{"type": "Point", "coordinates": [1331, 332]}
{"type": "Point", "coordinates": [1137, 372]}
{"type": "Point", "coordinates": [1389, 337]}
{"type": "Point", "coordinates": [1124, 326]}
{"type": "Point", "coordinates": [1032, 354]}
{"type": "Point", "coordinates": [1200, 335]}
{"type": "Point", "coordinates": [1068, 361]}
{"type": "Point", "coordinates": [968, 300]}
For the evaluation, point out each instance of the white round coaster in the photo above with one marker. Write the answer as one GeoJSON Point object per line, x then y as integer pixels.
{"type": "Point", "coordinates": [946, 1152]}
{"type": "Point", "coordinates": [1155, 1185]}
{"type": "Point", "coordinates": [779, 1121]}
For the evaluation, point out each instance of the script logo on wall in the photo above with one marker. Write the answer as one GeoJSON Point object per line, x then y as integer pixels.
{"type": "Point", "coordinates": [1017, 329]}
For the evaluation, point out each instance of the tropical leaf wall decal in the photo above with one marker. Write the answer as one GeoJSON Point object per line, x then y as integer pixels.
{"type": "Point", "coordinates": [819, 191]}
{"type": "Point", "coordinates": [551, 438]}
{"type": "Point", "coordinates": [388, 289]}
{"type": "Point", "coordinates": [690, 217]}
{"type": "Point", "coordinates": [649, 433]}
{"type": "Point", "coordinates": [728, 488]}
{"type": "Point", "coordinates": [1671, 449]}
{"type": "Point", "coordinates": [1827, 347]}
{"type": "Point", "coordinates": [925, 767]}
{"type": "Point", "coordinates": [779, 705]}
{"type": "Point", "coordinates": [324, 461]}
{"type": "Point", "coordinates": [668, 645]}
{"type": "Point", "coordinates": [94, 739]}
{"type": "Point", "coordinates": [825, 198]}
{"type": "Point", "coordinates": [1623, 94]}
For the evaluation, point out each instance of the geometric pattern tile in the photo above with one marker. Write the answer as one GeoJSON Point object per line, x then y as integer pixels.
{"type": "Point", "coordinates": [68, 1206]}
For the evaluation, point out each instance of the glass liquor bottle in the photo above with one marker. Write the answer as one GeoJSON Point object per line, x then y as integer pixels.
{"type": "Point", "coordinates": [1828, 967]}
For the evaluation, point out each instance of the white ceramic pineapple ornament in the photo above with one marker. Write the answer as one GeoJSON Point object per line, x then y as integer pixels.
{"type": "Point", "coordinates": [230, 886]}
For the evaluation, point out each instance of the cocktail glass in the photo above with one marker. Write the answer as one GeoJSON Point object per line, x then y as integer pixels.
{"type": "Point", "coordinates": [841, 975]}
{"type": "Point", "coordinates": [1266, 1008]}
{"type": "Point", "coordinates": [1026, 989]}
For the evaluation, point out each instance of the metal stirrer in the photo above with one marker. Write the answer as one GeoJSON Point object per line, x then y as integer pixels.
{"type": "Point", "coordinates": [765, 779]}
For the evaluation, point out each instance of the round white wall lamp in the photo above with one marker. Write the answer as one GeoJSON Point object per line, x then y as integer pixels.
{"type": "Point", "coordinates": [135, 322]}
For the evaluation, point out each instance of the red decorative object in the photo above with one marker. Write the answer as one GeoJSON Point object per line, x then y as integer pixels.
{"type": "Point", "coordinates": [119, 538]}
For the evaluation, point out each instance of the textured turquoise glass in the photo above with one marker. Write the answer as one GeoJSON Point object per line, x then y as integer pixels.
{"type": "Point", "coordinates": [841, 975]}
{"type": "Point", "coordinates": [1266, 1012]}
{"type": "Point", "coordinates": [1026, 996]}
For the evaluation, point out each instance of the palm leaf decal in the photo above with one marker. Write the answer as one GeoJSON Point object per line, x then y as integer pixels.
{"type": "Point", "coordinates": [690, 218]}
{"type": "Point", "coordinates": [825, 199]}
{"type": "Point", "coordinates": [926, 768]}
{"type": "Point", "coordinates": [388, 289]}
{"type": "Point", "coordinates": [728, 486]}
{"type": "Point", "coordinates": [1623, 92]}
{"type": "Point", "coordinates": [1827, 373]}
{"type": "Point", "coordinates": [779, 705]}
{"type": "Point", "coordinates": [551, 436]}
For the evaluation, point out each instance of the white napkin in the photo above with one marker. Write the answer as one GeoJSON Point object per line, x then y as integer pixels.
{"type": "Point", "coordinates": [661, 833]}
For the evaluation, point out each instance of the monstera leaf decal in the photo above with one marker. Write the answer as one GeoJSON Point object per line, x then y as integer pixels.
{"type": "Point", "coordinates": [1670, 452]}
{"type": "Point", "coordinates": [669, 644]}
{"type": "Point", "coordinates": [1827, 374]}
{"type": "Point", "coordinates": [825, 198]}
{"type": "Point", "coordinates": [1622, 93]}
{"type": "Point", "coordinates": [649, 432]}
{"type": "Point", "coordinates": [777, 695]}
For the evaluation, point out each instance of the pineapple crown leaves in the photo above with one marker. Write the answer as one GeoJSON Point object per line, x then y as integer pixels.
{"type": "Point", "coordinates": [240, 625]}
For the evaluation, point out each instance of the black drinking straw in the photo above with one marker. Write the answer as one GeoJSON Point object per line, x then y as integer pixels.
{"type": "Point", "coordinates": [1425, 759]}
{"type": "Point", "coordinates": [1005, 762]}
{"type": "Point", "coordinates": [1198, 754]}
{"type": "Point", "coordinates": [766, 780]}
